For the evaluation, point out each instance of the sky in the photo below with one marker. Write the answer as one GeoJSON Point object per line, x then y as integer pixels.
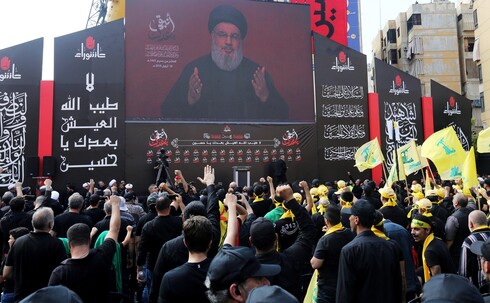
{"type": "Point", "coordinates": [26, 20]}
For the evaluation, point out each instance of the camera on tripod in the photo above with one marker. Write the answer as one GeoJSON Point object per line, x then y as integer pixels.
{"type": "Point", "coordinates": [162, 157]}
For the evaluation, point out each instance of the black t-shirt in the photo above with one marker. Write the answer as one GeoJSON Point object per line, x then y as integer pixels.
{"type": "Point", "coordinates": [33, 257]}
{"type": "Point", "coordinates": [185, 284]}
{"type": "Point", "coordinates": [328, 249]}
{"type": "Point", "coordinates": [92, 277]}
{"type": "Point", "coordinates": [143, 220]}
{"type": "Point", "coordinates": [64, 221]}
{"type": "Point", "coordinates": [104, 225]}
{"type": "Point", "coordinates": [261, 208]}
{"type": "Point", "coordinates": [95, 214]}
{"type": "Point", "coordinates": [11, 220]}
{"type": "Point", "coordinates": [173, 254]}
{"type": "Point", "coordinates": [438, 254]}
{"type": "Point", "coordinates": [344, 216]}
{"type": "Point", "coordinates": [287, 229]}
{"type": "Point", "coordinates": [395, 214]}
{"type": "Point", "coordinates": [155, 234]}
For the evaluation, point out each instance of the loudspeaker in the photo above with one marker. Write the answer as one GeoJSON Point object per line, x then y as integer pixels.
{"type": "Point", "coordinates": [49, 166]}
{"type": "Point", "coordinates": [32, 166]}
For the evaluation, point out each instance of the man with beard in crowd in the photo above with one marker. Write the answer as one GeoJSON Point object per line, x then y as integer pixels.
{"type": "Point", "coordinates": [212, 85]}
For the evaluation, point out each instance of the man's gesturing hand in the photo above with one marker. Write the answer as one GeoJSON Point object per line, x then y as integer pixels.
{"type": "Point", "coordinates": [195, 88]}
{"type": "Point", "coordinates": [259, 84]}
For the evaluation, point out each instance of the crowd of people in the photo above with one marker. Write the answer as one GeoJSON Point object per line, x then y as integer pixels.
{"type": "Point", "coordinates": [305, 241]}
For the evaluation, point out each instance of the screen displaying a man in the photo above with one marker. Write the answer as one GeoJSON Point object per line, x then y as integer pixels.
{"type": "Point", "coordinates": [225, 85]}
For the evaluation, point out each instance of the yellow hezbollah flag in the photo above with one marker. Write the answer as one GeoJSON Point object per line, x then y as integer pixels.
{"type": "Point", "coordinates": [427, 181]}
{"type": "Point", "coordinates": [444, 149]}
{"type": "Point", "coordinates": [401, 171]}
{"type": "Point", "coordinates": [454, 173]}
{"type": "Point", "coordinates": [423, 160]}
{"type": "Point", "coordinates": [410, 157]}
{"type": "Point", "coordinates": [470, 178]}
{"type": "Point", "coordinates": [311, 293]}
{"type": "Point", "coordinates": [369, 155]}
{"type": "Point", "coordinates": [392, 177]}
{"type": "Point", "coordinates": [483, 144]}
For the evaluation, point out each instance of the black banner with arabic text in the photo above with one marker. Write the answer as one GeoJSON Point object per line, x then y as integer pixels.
{"type": "Point", "coordinates": [20, 77]}
{"type": "Point", "coordinates": [341, 106]}
{"type": "Point", "coordinates": [451, 109]}
{"type": "Point", "coordinates": [400, 101]}
{"type": "Point", "coordinates": [88, 130]}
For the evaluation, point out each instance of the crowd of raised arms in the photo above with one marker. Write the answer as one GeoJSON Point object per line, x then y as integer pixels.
{"type": "Point", "coordinates": [201, 241]}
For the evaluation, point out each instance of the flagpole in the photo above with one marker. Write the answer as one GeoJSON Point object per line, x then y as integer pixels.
{"type": "Point", "coordinates": [385, 171]}
{"type": "Point", "coordinates": [430, 170]}
{"type": "Point", "coordinates": [396, 150]}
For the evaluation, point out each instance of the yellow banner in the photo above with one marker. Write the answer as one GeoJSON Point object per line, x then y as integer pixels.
{"type": "Point", "coordinates": [483, 144]}
{"type": "Point", "coordinates": [369, 155]}
{"type": "Point", "coordinates": [470, 177]}
{"type": "Point", "coordinates": [444, 149]}
{"type": "Point", "coordinates": [410, 157]}
{"type": "Point", "coordinates": [423, 160]}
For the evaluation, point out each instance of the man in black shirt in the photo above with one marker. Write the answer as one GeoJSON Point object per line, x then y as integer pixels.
{"type": "Point", "coordinates": [327, 254]}
{"type": "Point", "coordinates": [186, 282]}
{"type": "Point", "coordinates": [16, 217]}
{"type": "Point", "coordinates": [95, 213]}
{"type": "Point", "coordinates": [369, 267]}
{"type": "Point", "coordinates": [33, 257]}
{"type": "Point", "coordinates": [457, 227]}
{"type": "Point", "coordinates": [88, 271]}
{"type": "Point", "coordinates": [434, 257]}
{"type": "Point", "coordinates": [65, 220]}
{"type": "Point", "coordinates": [155, 233]}
{"type": "Point", "coordinates": [292, 259]}
{"type": "Point", "coordinates": [261, 205]}
{"type": "Point", "coordinates": [390, 208]}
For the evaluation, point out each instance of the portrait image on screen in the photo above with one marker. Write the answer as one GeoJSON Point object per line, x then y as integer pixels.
{"type": "Point", "coordinates": [239, 61]}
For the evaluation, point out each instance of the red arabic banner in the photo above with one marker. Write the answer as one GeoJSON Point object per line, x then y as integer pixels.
{"type": "Point", "coordinates": [328, 18]}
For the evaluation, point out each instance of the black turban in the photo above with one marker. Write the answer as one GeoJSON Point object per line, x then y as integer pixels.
{"type": "Point", "coordinates": [227, 14]}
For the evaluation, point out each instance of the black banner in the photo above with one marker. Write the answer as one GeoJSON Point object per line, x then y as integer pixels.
{"type": "Point", "coordinates": [451, 109]}
{"type": "Point", "coordinates": [189, 147]}
{"type": "Point", "coordinates": [88, 130]}
{"type": "Point", "coordinates": [341, 107]}
{"type": "Point", "coordinates": [400, 101]}
{"type": "Point", "coordinates": [20, 77]}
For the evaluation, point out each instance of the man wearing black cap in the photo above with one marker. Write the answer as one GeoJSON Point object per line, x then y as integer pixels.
{"type": "Point", "coordinates": [369, 267]}
{"type": "Point", "coordinates": [224, 84]}
{"type": "Point", "coordinates": [234, 272]}
{"type": "Point", "coordinates": [482, 250]}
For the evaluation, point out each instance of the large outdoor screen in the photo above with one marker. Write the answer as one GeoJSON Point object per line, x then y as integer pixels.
{"type": "Point", "coordinates": [194, 60]}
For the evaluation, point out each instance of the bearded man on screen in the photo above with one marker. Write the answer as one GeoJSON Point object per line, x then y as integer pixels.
{"type": "Point", "coordinates": [225, 85]}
